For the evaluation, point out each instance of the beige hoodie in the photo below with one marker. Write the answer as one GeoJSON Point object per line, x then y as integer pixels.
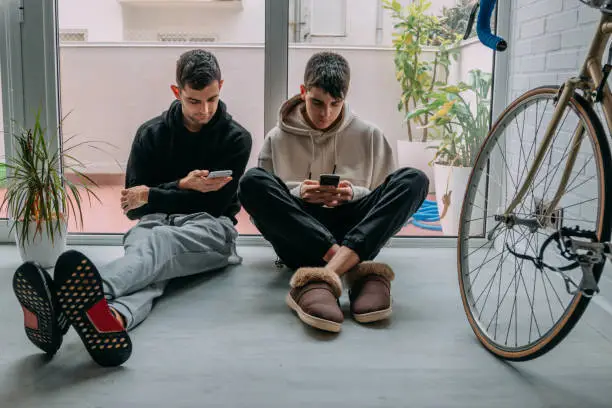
{"type": "Point", "coordinates": [294, 151]}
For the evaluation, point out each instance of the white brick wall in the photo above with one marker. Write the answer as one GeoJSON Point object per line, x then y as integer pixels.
{"type": "Point", "coordinates": [548, 41]}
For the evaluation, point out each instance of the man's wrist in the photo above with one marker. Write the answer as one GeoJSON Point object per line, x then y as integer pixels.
{"type": "Point", "coordinates": [182, 184]}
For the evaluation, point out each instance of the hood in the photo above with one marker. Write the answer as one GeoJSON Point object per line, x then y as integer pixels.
{"type": "Point", "coordinates": [173, 118]}
{"type": "Point", "coordinates": [291, 120]}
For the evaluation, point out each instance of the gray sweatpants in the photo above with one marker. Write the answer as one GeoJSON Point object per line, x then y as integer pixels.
{"type": "Point", "coordinates": [162, 247]}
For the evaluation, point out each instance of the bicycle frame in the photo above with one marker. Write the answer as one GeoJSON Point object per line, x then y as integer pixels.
{"type": "Point", "coordinates": [591, 75]}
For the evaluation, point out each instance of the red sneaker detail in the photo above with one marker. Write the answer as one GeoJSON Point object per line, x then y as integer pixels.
{"type": "Point", "coordinates": [31, 321]}
{"type": "Point", "coordinates": [103, 319]}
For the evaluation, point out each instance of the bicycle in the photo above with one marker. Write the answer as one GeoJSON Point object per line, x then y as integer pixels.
{"type": "Point", "coordinates": [527, 220]}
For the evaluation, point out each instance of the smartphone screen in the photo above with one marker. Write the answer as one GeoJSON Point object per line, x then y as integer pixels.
{"type": "Point", "coordinates": [329, 180]}
{"type": "Point", "coordinates": [220, 173]}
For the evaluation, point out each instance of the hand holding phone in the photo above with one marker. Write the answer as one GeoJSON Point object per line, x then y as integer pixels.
{"type": "Point", "coordinates": [342, 194]}
{"type": "Point", "coordinates": [205, 181]}
{"type": "Point", "coordinates": [329, 191]}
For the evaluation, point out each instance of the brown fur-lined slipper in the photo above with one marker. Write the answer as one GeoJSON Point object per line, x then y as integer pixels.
{"type": "Point", "coordinates": [314, 297]}
{"type": "Point", "coordinates": [370, 291]}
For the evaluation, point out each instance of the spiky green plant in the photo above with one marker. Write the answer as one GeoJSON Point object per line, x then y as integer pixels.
{"type": "Point", "coordinates": [37, 189]}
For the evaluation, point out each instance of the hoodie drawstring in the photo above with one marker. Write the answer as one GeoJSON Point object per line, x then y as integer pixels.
{"type": "Point", "coordinates": [312, 151]}
{"type": "Point", "coordinates": [335, 152]}
{"type": "Point", "coordinates": [312, 155]}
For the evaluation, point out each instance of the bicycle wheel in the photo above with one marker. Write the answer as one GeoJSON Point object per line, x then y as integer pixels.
{"type": "Point", "coordinates": [518, 309]}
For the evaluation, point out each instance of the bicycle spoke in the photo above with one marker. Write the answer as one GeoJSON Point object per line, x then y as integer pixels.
{"type": "Point", "coordinates": [555, 290]}
{"type": "Point", "coordinates": [541, 273]}
{"type": "Point", "coordinates": [480, 267]}
{"type": "Point", "coordinates": [579, 185]}
{"type": "Point", "coordinates": [479, 218]}
{"type": "Point", "coordinates": [507, 168]}
{"type": "Point", "coordinates": [499, 265]}
{"type": "Point", "coordinates": [492, 278]}
{"type": "Point", "coordinates": [571, 183]}
{"type": "Point", "coordinates": [556, 168]}
{"type": "Point", "coordinates": [573, 205]}
{"type": "Point", "coordinates": [523, 150]}
{"type": "Point", "coordinates": [486, 243]}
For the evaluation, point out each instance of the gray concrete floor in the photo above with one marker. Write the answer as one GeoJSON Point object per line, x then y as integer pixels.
{"type": "Point", "coordinates": [228, 340]}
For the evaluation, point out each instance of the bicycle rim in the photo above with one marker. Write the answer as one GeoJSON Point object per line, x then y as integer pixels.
{"type": "Point", "coordinates": [511, 282]}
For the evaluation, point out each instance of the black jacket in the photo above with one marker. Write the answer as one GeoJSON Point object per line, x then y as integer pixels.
{"type": "Point", "coordinates": [164, 151]}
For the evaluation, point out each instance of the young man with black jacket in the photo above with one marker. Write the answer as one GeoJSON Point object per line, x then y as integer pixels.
{"type": "Point", "coordinates": [325, 232]}
{"type": "Point", "coordinates": [186, 222]}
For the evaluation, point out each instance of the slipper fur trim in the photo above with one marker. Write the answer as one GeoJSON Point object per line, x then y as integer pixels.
{"type": "Point", "coordinates": [303, 276]}
{"type": "Point", "coordinates": [368, 268]}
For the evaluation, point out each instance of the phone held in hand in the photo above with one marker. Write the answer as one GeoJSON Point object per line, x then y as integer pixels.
{"type": "Point", "coordinates": [219, 173]}
{"type": "Point", "coordinates": [329, 180]}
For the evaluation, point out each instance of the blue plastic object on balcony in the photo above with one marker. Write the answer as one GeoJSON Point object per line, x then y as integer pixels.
{"type": "Point", "coordinates": [427, 213]}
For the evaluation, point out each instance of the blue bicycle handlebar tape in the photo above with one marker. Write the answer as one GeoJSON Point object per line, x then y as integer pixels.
{"type": "Point", "coordinates": [483, 27]}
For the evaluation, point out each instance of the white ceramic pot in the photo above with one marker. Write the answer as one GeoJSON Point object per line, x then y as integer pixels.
{"type": "Point", "coordinates": [417, 155]}
{"type": "Point", "coordinates": [452, 182]}
{"type": "Point", "coordinates": [41, 249]}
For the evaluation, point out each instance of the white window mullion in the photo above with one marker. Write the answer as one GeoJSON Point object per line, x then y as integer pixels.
{"type": "Point", "coordinates": [40, 68]}
{"type": "Point", "coordinates": [500, 99]}
{"type": "Point", "coordinates": [12, 83]}
{"type": "Point", "coordinates": [276, 60]}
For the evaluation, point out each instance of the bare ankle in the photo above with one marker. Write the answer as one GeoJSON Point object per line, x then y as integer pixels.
{"type": "Point", "coordinates": [118, 316]}
{"type": "Point", "coordinates": [330, 254]}
{"type": "Point", "coordinates": [343, 260]}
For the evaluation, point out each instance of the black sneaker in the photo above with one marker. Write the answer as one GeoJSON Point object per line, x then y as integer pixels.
{"type": "Point", "coordinates": [80, 295]}
{"type": "Point", "coordinates": [45, 324]}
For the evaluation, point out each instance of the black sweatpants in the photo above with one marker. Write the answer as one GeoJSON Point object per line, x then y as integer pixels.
{"type": "Point", "coordinates": [301, 233]}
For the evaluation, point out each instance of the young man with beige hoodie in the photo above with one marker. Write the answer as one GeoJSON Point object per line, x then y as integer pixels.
{"type": "Point", "coordinates": [327, 232]}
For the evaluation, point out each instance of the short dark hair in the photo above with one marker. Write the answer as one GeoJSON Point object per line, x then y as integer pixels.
{"type": "Point", "coordinates": [198, 69]}
{"type": "Point", "coordinates": [328, 71]}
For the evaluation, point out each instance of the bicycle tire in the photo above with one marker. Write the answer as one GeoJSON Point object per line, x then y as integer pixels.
{"type": "Point", "coordinates": [579, 303]}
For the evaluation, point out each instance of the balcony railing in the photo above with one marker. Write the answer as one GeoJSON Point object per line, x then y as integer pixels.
{"type": "Point", "coordinates": [232, 4]}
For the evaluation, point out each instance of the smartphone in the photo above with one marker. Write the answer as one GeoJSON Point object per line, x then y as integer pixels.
{"type": "Point", "coordinates": [219, 173]}
{"type": "Point", "coordinates": [329, 180]}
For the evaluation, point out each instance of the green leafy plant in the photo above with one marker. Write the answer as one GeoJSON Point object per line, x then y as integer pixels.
{"type": "Point", "coordinates": [463, 129]}
{"type": "Point", "coordinates": [37, 187]}
{"type": "Point", "coordinates": [418, 34]}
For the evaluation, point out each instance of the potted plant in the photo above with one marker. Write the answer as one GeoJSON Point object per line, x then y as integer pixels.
{"type": "Point", "coordinates": [424, 47]}
{"type": "Point", "coordinates": [40, 197]}
{"type": "Point", "coordinates": [464, 129]}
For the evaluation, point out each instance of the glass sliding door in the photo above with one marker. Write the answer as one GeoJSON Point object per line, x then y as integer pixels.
{"type": "Point", "coordinates": [116, 64]}
{"type": "Point", "coordinates": [110, 65]}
